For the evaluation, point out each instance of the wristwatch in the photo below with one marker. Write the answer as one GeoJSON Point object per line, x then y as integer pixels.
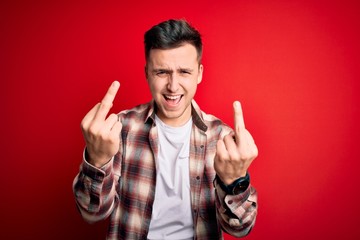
{"type": "Point", "coordinates": [237, 187]}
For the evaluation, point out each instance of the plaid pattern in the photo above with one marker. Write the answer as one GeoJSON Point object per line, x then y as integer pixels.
{"type": "Point", "coordinates": [124, 188]}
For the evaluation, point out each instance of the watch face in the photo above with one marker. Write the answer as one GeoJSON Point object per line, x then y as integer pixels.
{"type": "Point", "coordinates": [241, 187]}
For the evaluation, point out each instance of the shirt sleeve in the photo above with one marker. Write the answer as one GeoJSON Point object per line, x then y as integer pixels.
{"type": "Point", "coordinates": [236, 213]}
{"type": "Point", "coordinates": [95, 190]}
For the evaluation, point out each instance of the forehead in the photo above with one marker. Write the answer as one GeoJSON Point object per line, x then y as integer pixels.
{"type": "Point", "coordinates": [184, 55]}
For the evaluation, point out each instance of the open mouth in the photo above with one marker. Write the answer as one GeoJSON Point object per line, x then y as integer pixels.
{"type": "Point", "coordinates": [173, 99]}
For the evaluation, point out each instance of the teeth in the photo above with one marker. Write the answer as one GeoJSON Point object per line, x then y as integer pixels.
{"type": "Point", "coordinates": [173, 97]}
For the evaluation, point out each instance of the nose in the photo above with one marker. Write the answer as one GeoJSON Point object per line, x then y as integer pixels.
{"type": "Point", "coordinates": [173, 84]}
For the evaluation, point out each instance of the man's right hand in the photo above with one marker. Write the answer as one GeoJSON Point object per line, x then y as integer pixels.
{"type": "Point", "coordinates": [101, 134]}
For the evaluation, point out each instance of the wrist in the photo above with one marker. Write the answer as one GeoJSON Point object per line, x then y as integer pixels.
{"type": "Point", "coordinates": [94, 161]}
{"type": "Point", "coordinates": [236, 187]}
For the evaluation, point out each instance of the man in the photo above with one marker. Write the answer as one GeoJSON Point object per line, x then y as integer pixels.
{"type": "Point", "coordinates": [165, 169]}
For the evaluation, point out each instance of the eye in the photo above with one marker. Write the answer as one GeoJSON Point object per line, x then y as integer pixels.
{"type": "Point", "coordinates": [185, 72]}
{"type": "Point", "coordinates": [161, 73]}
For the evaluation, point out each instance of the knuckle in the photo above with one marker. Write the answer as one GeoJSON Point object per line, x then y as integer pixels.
{"type": "Point", "coordinates": [104, 135]}
{"type": "Point", "coordinates": [83, 126]}
{"type": "Point", "coordinates": [235, 156]}
{"type": "Point", "coordinates": [113, 140]}
{"type": "Point", "coordinates": [105, 104]}
{"type": "Point", "coordinates": [255, 152]}
{"type": "Point", "coordinates": [217, 157]}
{"type": "Point", "coordinates": [246, 155]}
{"type": "Point", "coordinates": [92, 129]}
{"type": "Point", "coordinates": [220, 157]}
{"type": "Point", "coordinates": [249, 155]}
{"type": "Point", "coordinates": [113, 115]}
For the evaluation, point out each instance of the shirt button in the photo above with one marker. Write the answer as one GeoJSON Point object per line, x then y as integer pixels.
{"type": "Point", "coordinates": [198, 178]}
{"type": "Point", "coordinates": [202, 146]}
{"type": "Point", "coordinates": [230, 201]}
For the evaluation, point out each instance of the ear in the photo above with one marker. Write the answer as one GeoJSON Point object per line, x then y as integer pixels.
{"type": "Point", "coordinates": [201, 69]}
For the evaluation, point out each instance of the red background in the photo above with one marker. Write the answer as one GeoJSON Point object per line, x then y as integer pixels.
{"type": "Point", "coordinates": [294, 65]}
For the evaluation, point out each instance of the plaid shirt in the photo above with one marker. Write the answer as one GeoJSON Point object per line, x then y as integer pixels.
{"type": "Point", "coordinates": [124, 188]}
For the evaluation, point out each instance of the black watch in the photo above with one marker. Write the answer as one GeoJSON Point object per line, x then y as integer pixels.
{"type": "Point", "coordinates": [237, 187]}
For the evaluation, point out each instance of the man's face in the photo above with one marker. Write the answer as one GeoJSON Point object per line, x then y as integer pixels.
{"type": "Point", "coordinates": [173, 76]}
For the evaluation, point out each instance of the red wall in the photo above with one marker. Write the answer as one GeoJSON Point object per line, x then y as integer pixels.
{"type": "Point", "coordinates": [294, 65]}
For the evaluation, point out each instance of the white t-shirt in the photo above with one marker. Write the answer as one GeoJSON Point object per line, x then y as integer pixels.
{"type": "Point", "coordinates": [172, 216]}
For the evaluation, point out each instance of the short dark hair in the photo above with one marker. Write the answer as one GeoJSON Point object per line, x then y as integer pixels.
{"type": "Point", "coordinates": [171, 34]}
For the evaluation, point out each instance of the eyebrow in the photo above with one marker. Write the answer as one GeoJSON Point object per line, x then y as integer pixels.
{"type": "Point", "coordinates": [155, 70]}
{"type": "Point", "coordinates": [186, 69]}
{"type": "Point", "coordinates": [167, 70]}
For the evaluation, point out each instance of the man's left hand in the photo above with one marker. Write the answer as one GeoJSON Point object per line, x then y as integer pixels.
{"type": "Point", "coordinates": [236, 151]}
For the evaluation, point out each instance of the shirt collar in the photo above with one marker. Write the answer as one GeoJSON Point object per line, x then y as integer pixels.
{"type": "Point", "coordinates": [195, 112]}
